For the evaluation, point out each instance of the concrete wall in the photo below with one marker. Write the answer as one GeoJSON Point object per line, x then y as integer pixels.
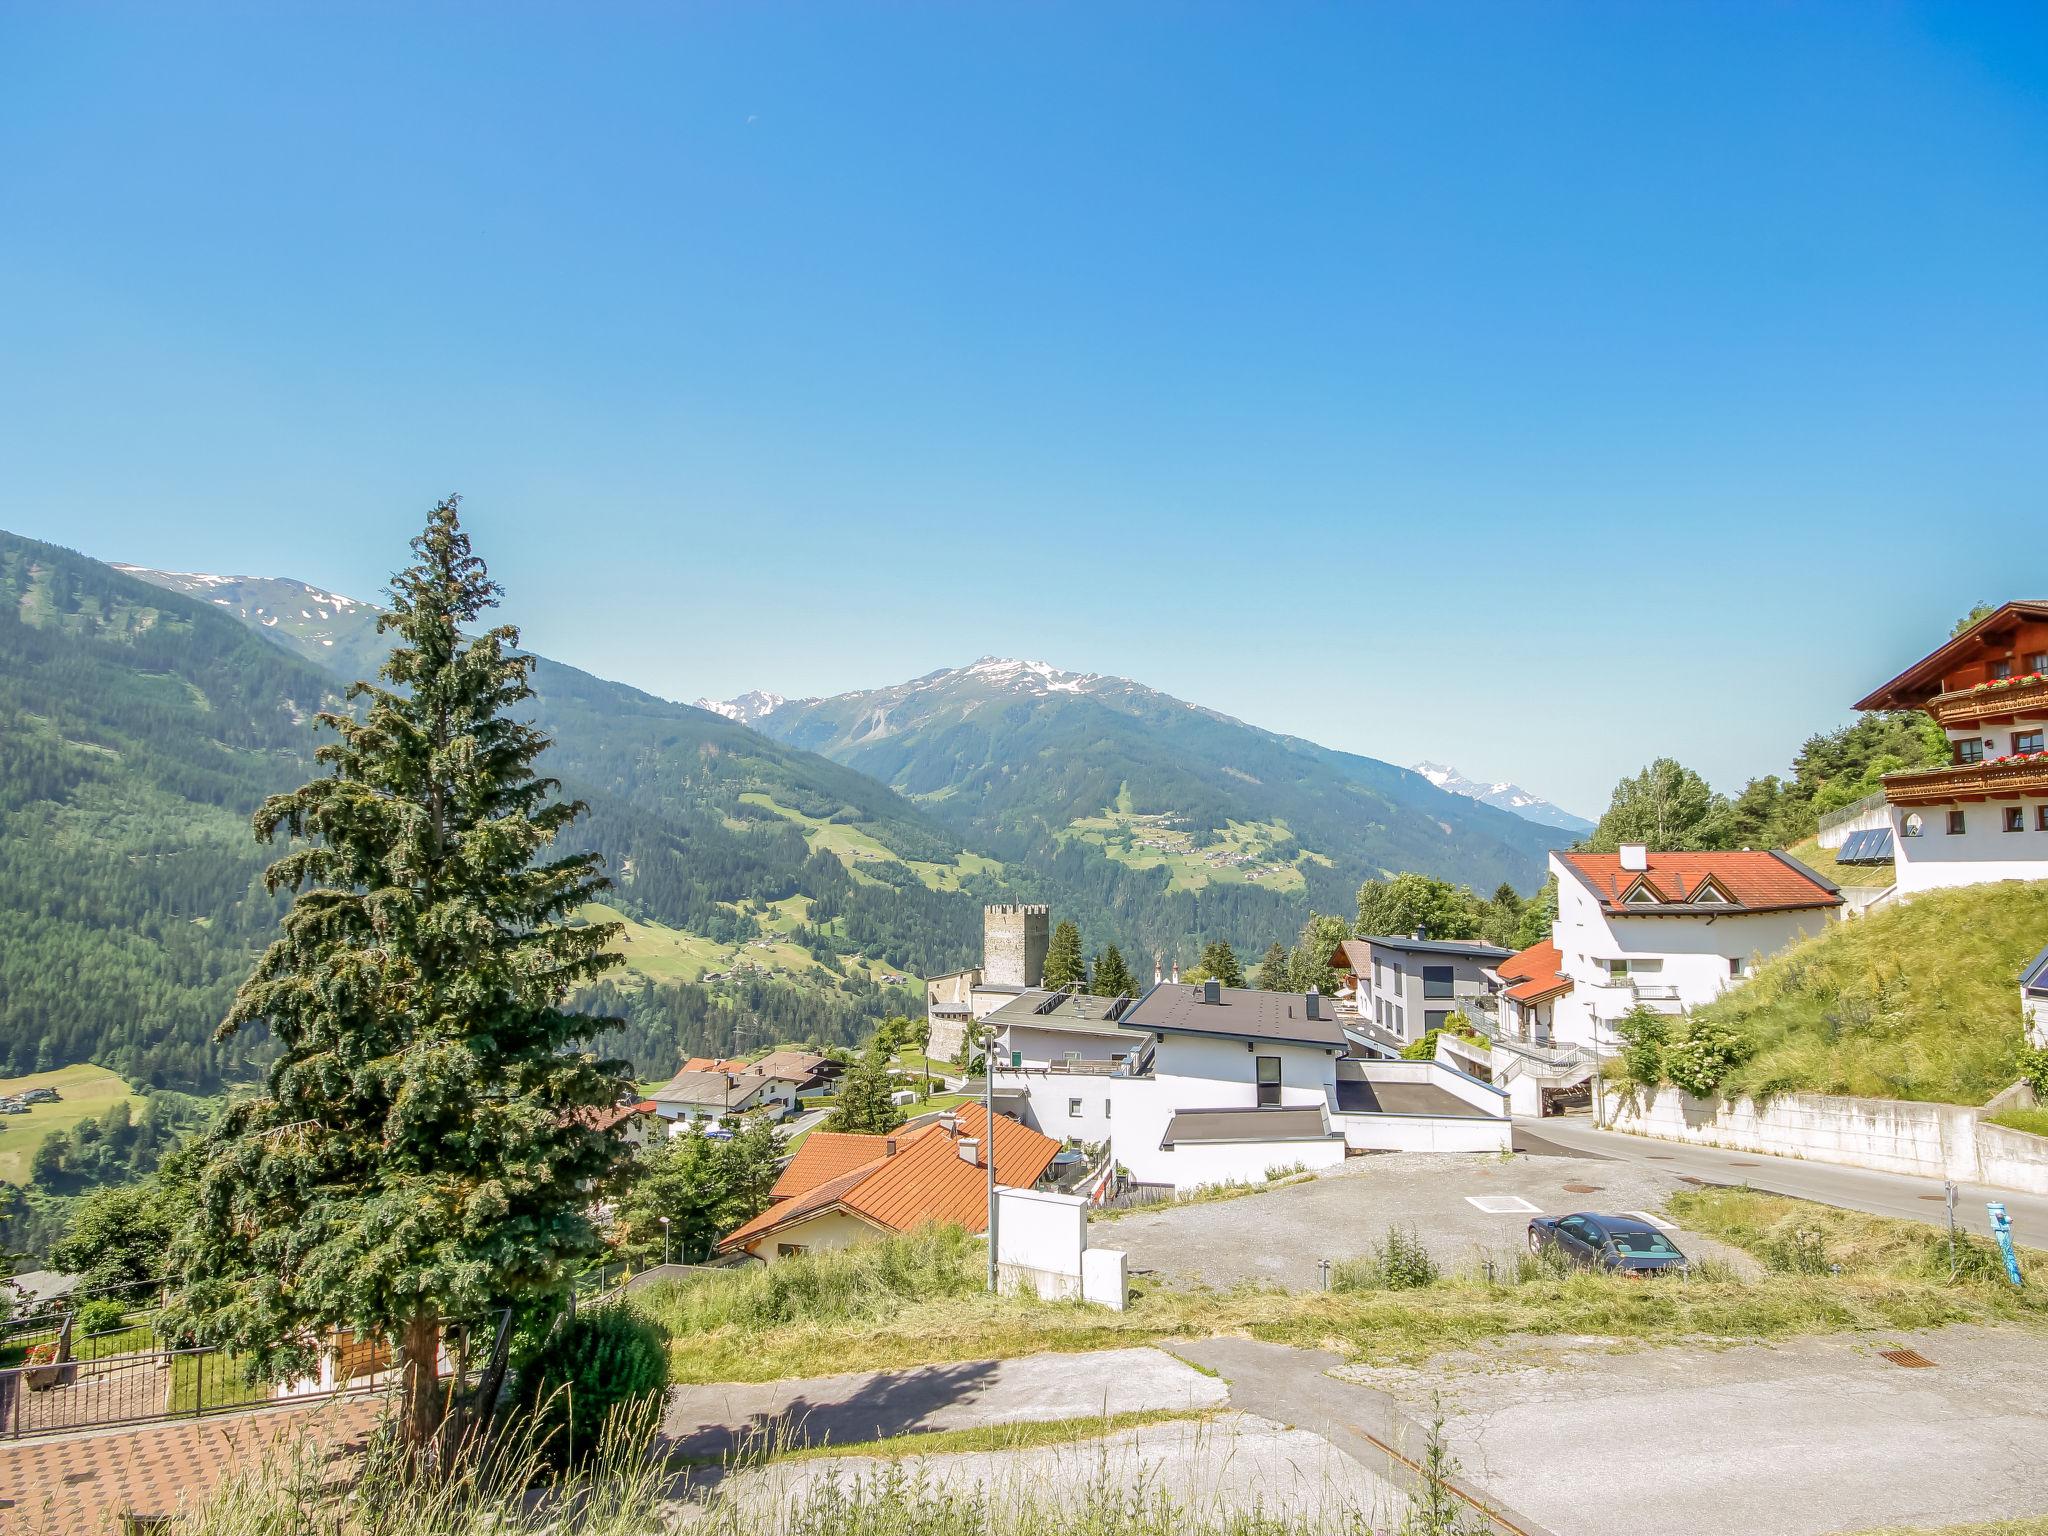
{"type": "Point", "coordinates": [1041, 1045]}
{"type": "Point", "coordinates": [1042, 1246]}
{"type": "Point", "coordinates": [1933, 1141]}
{"type": "Point", "coordinates": [1200, 1165]}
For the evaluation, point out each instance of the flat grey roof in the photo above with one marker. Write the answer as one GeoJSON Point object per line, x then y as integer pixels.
{"type": "Point", "coordinates": [1360, 1096]}
{"type": "Point", "coordinates": [1460, 949]}
{"type": "Point", "coordinates": [1074, 1011]}
{"type": "Point", "coordinates": [1292, 1122]}
{"type": "Point", "coordinates": [1239, 1012]}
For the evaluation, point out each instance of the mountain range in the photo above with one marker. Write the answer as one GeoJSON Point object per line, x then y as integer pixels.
{"type": "Point", "coordinates": [785, 877]}
{"type": "Point", "coordinates": [1509, 797]}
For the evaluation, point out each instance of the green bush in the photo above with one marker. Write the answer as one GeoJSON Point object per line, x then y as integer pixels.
{"type": "Point", "coordinates": [599, 1362]}
{"type": "Point", "coordinates": [2034, 1068]}
{"type": "Point", "coordinates": [1643, 1033]}
{"type": "Point", "coordinates": [100, 1316]}
{"type": "Point", "coordinates": [1401, 1263]}
{"type": "Point", "coordinates": [1703, 1056]}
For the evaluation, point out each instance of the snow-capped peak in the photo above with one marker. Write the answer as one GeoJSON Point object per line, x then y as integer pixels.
{"type": "Point", "coordinates": [1026, 676]}
{"type": "Point", "coordinates": [1503, 795]}
{"type": "Point", "coordinates": [745, 708]}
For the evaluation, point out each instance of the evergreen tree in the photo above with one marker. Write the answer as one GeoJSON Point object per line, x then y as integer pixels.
{"type": "Point", "coordinates": [417, 1156]}
{"type": "Point", "coordinates": [1113, 977]}
{"type": "Point", "coordinates": [704, 1187]}
{"type": "Point", "coordinates": [1219, 963]}
{"type": "Point", "coordinates": [864, 1108]}
{"type": "Point", "coordinates": [1308, 967]}
{"type": "Point", "coordinates": [1064, 968]}
{"type": "Point", "coordinates": [1273, 975]}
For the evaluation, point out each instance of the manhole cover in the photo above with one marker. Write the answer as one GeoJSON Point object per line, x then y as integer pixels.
{"type": "Point", "coordinates": [1686, 1178]}
{"type": "Point", "coordinates": [1912, 1359]}
{"type": "Point", "coordinates": [1502, 1205]}
{"type": "Point", "coordinates": [1584, 1189]}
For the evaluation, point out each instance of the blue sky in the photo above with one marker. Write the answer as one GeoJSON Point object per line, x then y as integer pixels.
{"type": "Point", "coordinates": [1536, 387]}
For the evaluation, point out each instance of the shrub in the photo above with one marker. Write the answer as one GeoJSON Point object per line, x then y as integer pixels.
{"type": "Point", "coordinates": [599, 1362]}
{"type": "Point", "coordinates": [1701, 1059]}
{"type": "Point", "coordinates": [1643, 1034]}
{"type": "Point", "coordinates": [2034, 1068]}
{"type": "Point", "coordinates": [102, 1315]}
{"type": "Point", "coordinates": [1400, 1263]}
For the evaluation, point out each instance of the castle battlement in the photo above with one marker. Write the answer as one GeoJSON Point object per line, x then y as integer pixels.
{"type": "Point", "coordinates": [1014, 938]}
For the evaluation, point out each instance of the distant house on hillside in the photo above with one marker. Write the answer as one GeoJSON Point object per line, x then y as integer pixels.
{"type": "Point", "coordinates": [1983, 816]}
{"type": "Point", "coordinates": [712, 1099]}
{"type": "Point", "coordinates": [839, 1189]}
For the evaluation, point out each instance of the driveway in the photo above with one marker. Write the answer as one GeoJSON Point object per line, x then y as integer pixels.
{"type": "Point", "coordinates": [1279, 1236]}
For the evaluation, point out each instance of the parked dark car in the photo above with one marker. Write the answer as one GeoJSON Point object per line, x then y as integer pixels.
{"type": "Point", "coordinates": [1623, 1244]}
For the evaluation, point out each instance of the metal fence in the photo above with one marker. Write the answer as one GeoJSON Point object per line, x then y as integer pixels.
{"type": "Point", "coordinates": [143, 1386]}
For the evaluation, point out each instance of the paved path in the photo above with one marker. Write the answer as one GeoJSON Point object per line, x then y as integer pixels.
{"type": "Point", "coordinates": [1788, 1439]}
{"type": "Point", "coordinates": [80, 1485]}
{"type": "Point", "coordinates": [1856, 1189]}
{"type": "Point", "coordinates": [706, 1423]}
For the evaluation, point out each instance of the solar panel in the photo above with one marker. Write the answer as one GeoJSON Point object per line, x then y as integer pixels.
{"type": "Point", "coordinates": [1870, 846]}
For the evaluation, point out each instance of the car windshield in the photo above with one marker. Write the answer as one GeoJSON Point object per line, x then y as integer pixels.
{"type": "Point", "coordinates": [1644, 1245]}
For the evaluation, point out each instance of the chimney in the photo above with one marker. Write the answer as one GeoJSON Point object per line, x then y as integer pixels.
{"type": "Point", "coordinates": [951, 1123]}
{"type": "Point", "coordinates": [1212, 991]}
{"type": "Point", "coordinates": [970, 1150]}
{"type": "Point", "coordinates": [1176, 970]}
{"type": "Point", "coordinates": [889, 1147]}
{"type": "Point", "coordinates": [1635, 856]}
{"type": "Point", "coordinates": [1315, 1003]}
{"type": "Point", "coordinates": [1420, 933]}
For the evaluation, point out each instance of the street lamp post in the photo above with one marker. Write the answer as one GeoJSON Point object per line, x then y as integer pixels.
{"type": "Point", "coordinates": [664, 1241]}
{"type": "Point", "coordinates": [988, 1151]}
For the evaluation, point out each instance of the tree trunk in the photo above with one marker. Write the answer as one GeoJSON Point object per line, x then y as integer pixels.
{"type": "Point", "coordinates": [420, 1384]}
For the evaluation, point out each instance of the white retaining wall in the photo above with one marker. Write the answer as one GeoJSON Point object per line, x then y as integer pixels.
{"type": "Point", "coordinates": [1042, 1245]}
{"type": "Point", "coordinates": [1934, 1141]}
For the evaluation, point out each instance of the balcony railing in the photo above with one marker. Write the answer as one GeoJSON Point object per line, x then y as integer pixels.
{"type": "Point", "coordinates": [1966, 706]}
{"type": "Point", "coordinates": [2005, 777]}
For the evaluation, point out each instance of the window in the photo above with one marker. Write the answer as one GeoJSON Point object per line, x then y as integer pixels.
{"type": "Point", "coordinates": [1016, 1058]}
{"type": "Point", "coordinates": [1073, 1109]}
{"type": "Point", "coordinates": [1617, 970]}
{"type": "Point", "coordinates": [2038, 662]}
{"type": "Point", "coordinates": [1436, 1018]}
{"type": "Point", "coordinates": [1071, 1057]}
{"type": "Point", "coordinates": [2015, 819]}
{"type": "Point", "coordinates": [1735, 965]}
{"type": "Point", "coordinates": [1912, 826]}
{"type": "Point", "coordinates": [1956, 825]}
{"type": "Point", "coordinates": [2041, 818]}
{"type": "Point", "coordinates": [1437, 981]}
{"type": "Point", "coordinates": [2026, 741]}
{"type": "Point", "coordinates": [1400, 1021]}
{"type": "Point", "coordinates": [1970, 751]}
{"type": "Point", "coordinates": [2002, 668]}
{"type": "Point", "coordinates": [1268, 1075]}
{"type": "Point", "coordinates": [788, 1250]}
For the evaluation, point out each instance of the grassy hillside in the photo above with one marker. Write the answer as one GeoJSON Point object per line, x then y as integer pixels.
{"type": "Point", "coordinates": [1822, 862]}
{"type": "Point", "coordinates": [87, 1091]}
{"type": "Point", "coordinates": [1919, 1001]}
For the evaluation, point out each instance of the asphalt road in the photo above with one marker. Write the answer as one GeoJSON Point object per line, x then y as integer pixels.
{"type": "Point", "coordinates": [1855, 1189]}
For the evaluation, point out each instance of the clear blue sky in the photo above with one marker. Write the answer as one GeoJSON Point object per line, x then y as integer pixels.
{"type": "Point", "coordinates": [1536, 387]}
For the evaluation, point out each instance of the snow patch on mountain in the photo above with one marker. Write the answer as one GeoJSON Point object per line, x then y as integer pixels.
{"type": "Point", "coordinates": [747, 707]}
{"type": "Point", "coordinates": [1504, 796]}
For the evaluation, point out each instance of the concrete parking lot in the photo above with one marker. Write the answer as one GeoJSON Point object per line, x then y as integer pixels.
{"type": "Point", "coordinates": [1279, 1235]}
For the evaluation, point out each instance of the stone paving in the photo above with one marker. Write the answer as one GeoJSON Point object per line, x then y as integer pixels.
{"type": "Point", "coordinates": [81, 1485]}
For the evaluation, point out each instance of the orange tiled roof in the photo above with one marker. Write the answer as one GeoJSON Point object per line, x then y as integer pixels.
{"type": "Point", "coordinates": [1753, 882]}
{"type": "Point", "coordinates": [604, 1119]}
{"type": "Point", "coordinates": [713, 1064]}
{"type": "Point", "coordinates": [824, 1155]}
{"type": "Point", "coordinates": [926, 1180]}
{"type": "Point", "coordinates": [1535, 973]}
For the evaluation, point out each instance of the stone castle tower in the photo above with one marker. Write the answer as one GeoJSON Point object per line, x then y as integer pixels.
{"type": "Point", "coordinates": [1013, 943]}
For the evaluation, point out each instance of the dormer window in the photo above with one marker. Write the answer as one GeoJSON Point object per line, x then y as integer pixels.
{"type": "Point", "coordinates": [1710, 894]}
{"type": "Point", "coordinates": [1641, 893]}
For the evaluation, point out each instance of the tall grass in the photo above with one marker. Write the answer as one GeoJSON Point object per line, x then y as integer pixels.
{"type": "Point", "coordinates": [1913, 1002]}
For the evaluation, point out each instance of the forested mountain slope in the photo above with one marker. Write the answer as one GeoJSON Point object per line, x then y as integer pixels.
{"type": "Point", "coordinates": [1017, 754]}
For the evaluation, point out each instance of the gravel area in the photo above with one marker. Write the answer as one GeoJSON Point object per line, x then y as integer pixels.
{"type": "Point", "coordinates": [1278, 1236]}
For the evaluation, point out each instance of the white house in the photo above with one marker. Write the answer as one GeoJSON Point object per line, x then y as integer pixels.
{"type": "Point", "coordinates": [1668, 931]}
{"type": "Point", "coordinates": [1069, 1031]}
{"type": "Point", "coordinates": [2034, 998]}
{"type": "Point", "coordinates": [1229, 1083]}
{"type": "Point", "coordinates": [712, 1098]}
{"type": "Point", "coordinates": [1983, 816]}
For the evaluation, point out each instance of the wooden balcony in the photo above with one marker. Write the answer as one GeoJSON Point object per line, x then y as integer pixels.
{"type": "Point", "coordinates": [2005, 779]}
{"type": "Point", "coordinates": [2027, 696]}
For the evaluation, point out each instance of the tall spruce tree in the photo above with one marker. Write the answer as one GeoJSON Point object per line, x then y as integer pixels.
{"type": "Point", "coordinates": [1273, 973]}
{"type": "Point", "coordinates": [1113, 976]}
{"type": "Point", "coordinates": [418, 1156]}
{"type": "Point", "coordinates": [864, 1106]}
{"type": "Point", "coordinates": [1219, 963]}
{"type": "Point", "coordinates": [1064, 967]}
